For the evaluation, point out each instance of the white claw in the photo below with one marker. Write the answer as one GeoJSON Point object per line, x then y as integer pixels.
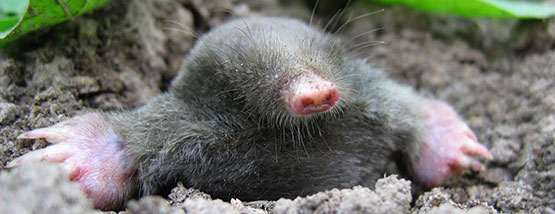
{"type": "Point", "coordinates": [50, 134]}
{"type": "Point", "coordinates": [468, 162]}
{"type": "Point", "coordinates": [56, 153]}
{"type": "Point", "coordinates": [12, 163]}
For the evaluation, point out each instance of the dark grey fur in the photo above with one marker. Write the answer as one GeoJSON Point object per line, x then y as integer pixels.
{"type": "Point", "coordinates": [223, 128]}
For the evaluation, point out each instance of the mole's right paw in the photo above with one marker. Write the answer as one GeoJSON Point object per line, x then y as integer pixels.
{"type": "Point", "coordinates": [92, 155]}
{"type": "Point", "coordinates": [449, 149]}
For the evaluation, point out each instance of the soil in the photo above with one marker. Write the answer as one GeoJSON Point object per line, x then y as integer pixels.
{"type": "Point", "coordinates": [498, 74]}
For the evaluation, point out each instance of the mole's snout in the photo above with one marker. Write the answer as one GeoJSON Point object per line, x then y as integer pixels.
{"type": "Point", "coordinates": [312, 94]}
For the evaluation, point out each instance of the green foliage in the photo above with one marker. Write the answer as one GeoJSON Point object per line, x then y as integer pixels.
{"type": "Point", "coordinates": [18, 17]}
{"type": "Point", "coordinates": [481, 8]}
{"type": "Point", "coordinates": [11, 12]}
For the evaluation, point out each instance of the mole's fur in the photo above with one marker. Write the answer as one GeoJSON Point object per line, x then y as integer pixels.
{"type": "Point", "coordinates": [267, 108]}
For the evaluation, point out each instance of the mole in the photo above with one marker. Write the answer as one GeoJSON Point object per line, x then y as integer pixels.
{"type": "Point", "coordinates": [263, 108]}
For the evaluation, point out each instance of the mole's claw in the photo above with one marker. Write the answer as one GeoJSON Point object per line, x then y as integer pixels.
{"type": "Point", "coordinates": [50, 134]}
{"type": "Point", "coordinates": [473, 148]}
{"type": "Point", "coordinates": [465, 162]}
{"type": "Point", "coordinates": [13, 163]}
{"type": "Point", "coordinates": [55, 154]}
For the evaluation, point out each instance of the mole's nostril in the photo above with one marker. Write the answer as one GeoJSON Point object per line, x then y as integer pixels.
{"type": "Point", "coordinates": [307, 101]}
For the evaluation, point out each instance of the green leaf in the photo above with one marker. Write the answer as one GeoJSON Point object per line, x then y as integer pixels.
{"type": "Point", "coordinates": [11, 12]}
{"type": "Point", "coordinates": [6, 24]}
{"type": "Point", "coordinates": [18, 17]}
{"type": "Point", "coordinates": [12, 8]}
{"type": "Point", "coordinates": [481, 8]}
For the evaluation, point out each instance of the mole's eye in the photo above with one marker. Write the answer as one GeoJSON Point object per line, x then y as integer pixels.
{"type": "Point", "coordinates": [285, 82]}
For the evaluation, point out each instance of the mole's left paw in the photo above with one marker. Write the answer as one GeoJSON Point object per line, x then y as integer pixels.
{"type": "Point", "coordinates": [91, 154]}
{"type": "Point", "coordinates": [448, 149]}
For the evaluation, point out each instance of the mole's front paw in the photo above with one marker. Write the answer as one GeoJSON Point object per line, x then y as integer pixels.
{"type": "Point", "coordinates": [92, 155]}
{"type": "Point", "coordinates": [449, 147]}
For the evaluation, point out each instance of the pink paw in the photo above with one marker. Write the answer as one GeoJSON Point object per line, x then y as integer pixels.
{"type": "Point", "coordinates": [449, 147]}
{"type": "Point", "coordinates": [92, 155]}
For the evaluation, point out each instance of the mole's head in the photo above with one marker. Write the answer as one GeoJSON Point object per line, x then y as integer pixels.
{"type": "Point", "coordinates": [277, 69]}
